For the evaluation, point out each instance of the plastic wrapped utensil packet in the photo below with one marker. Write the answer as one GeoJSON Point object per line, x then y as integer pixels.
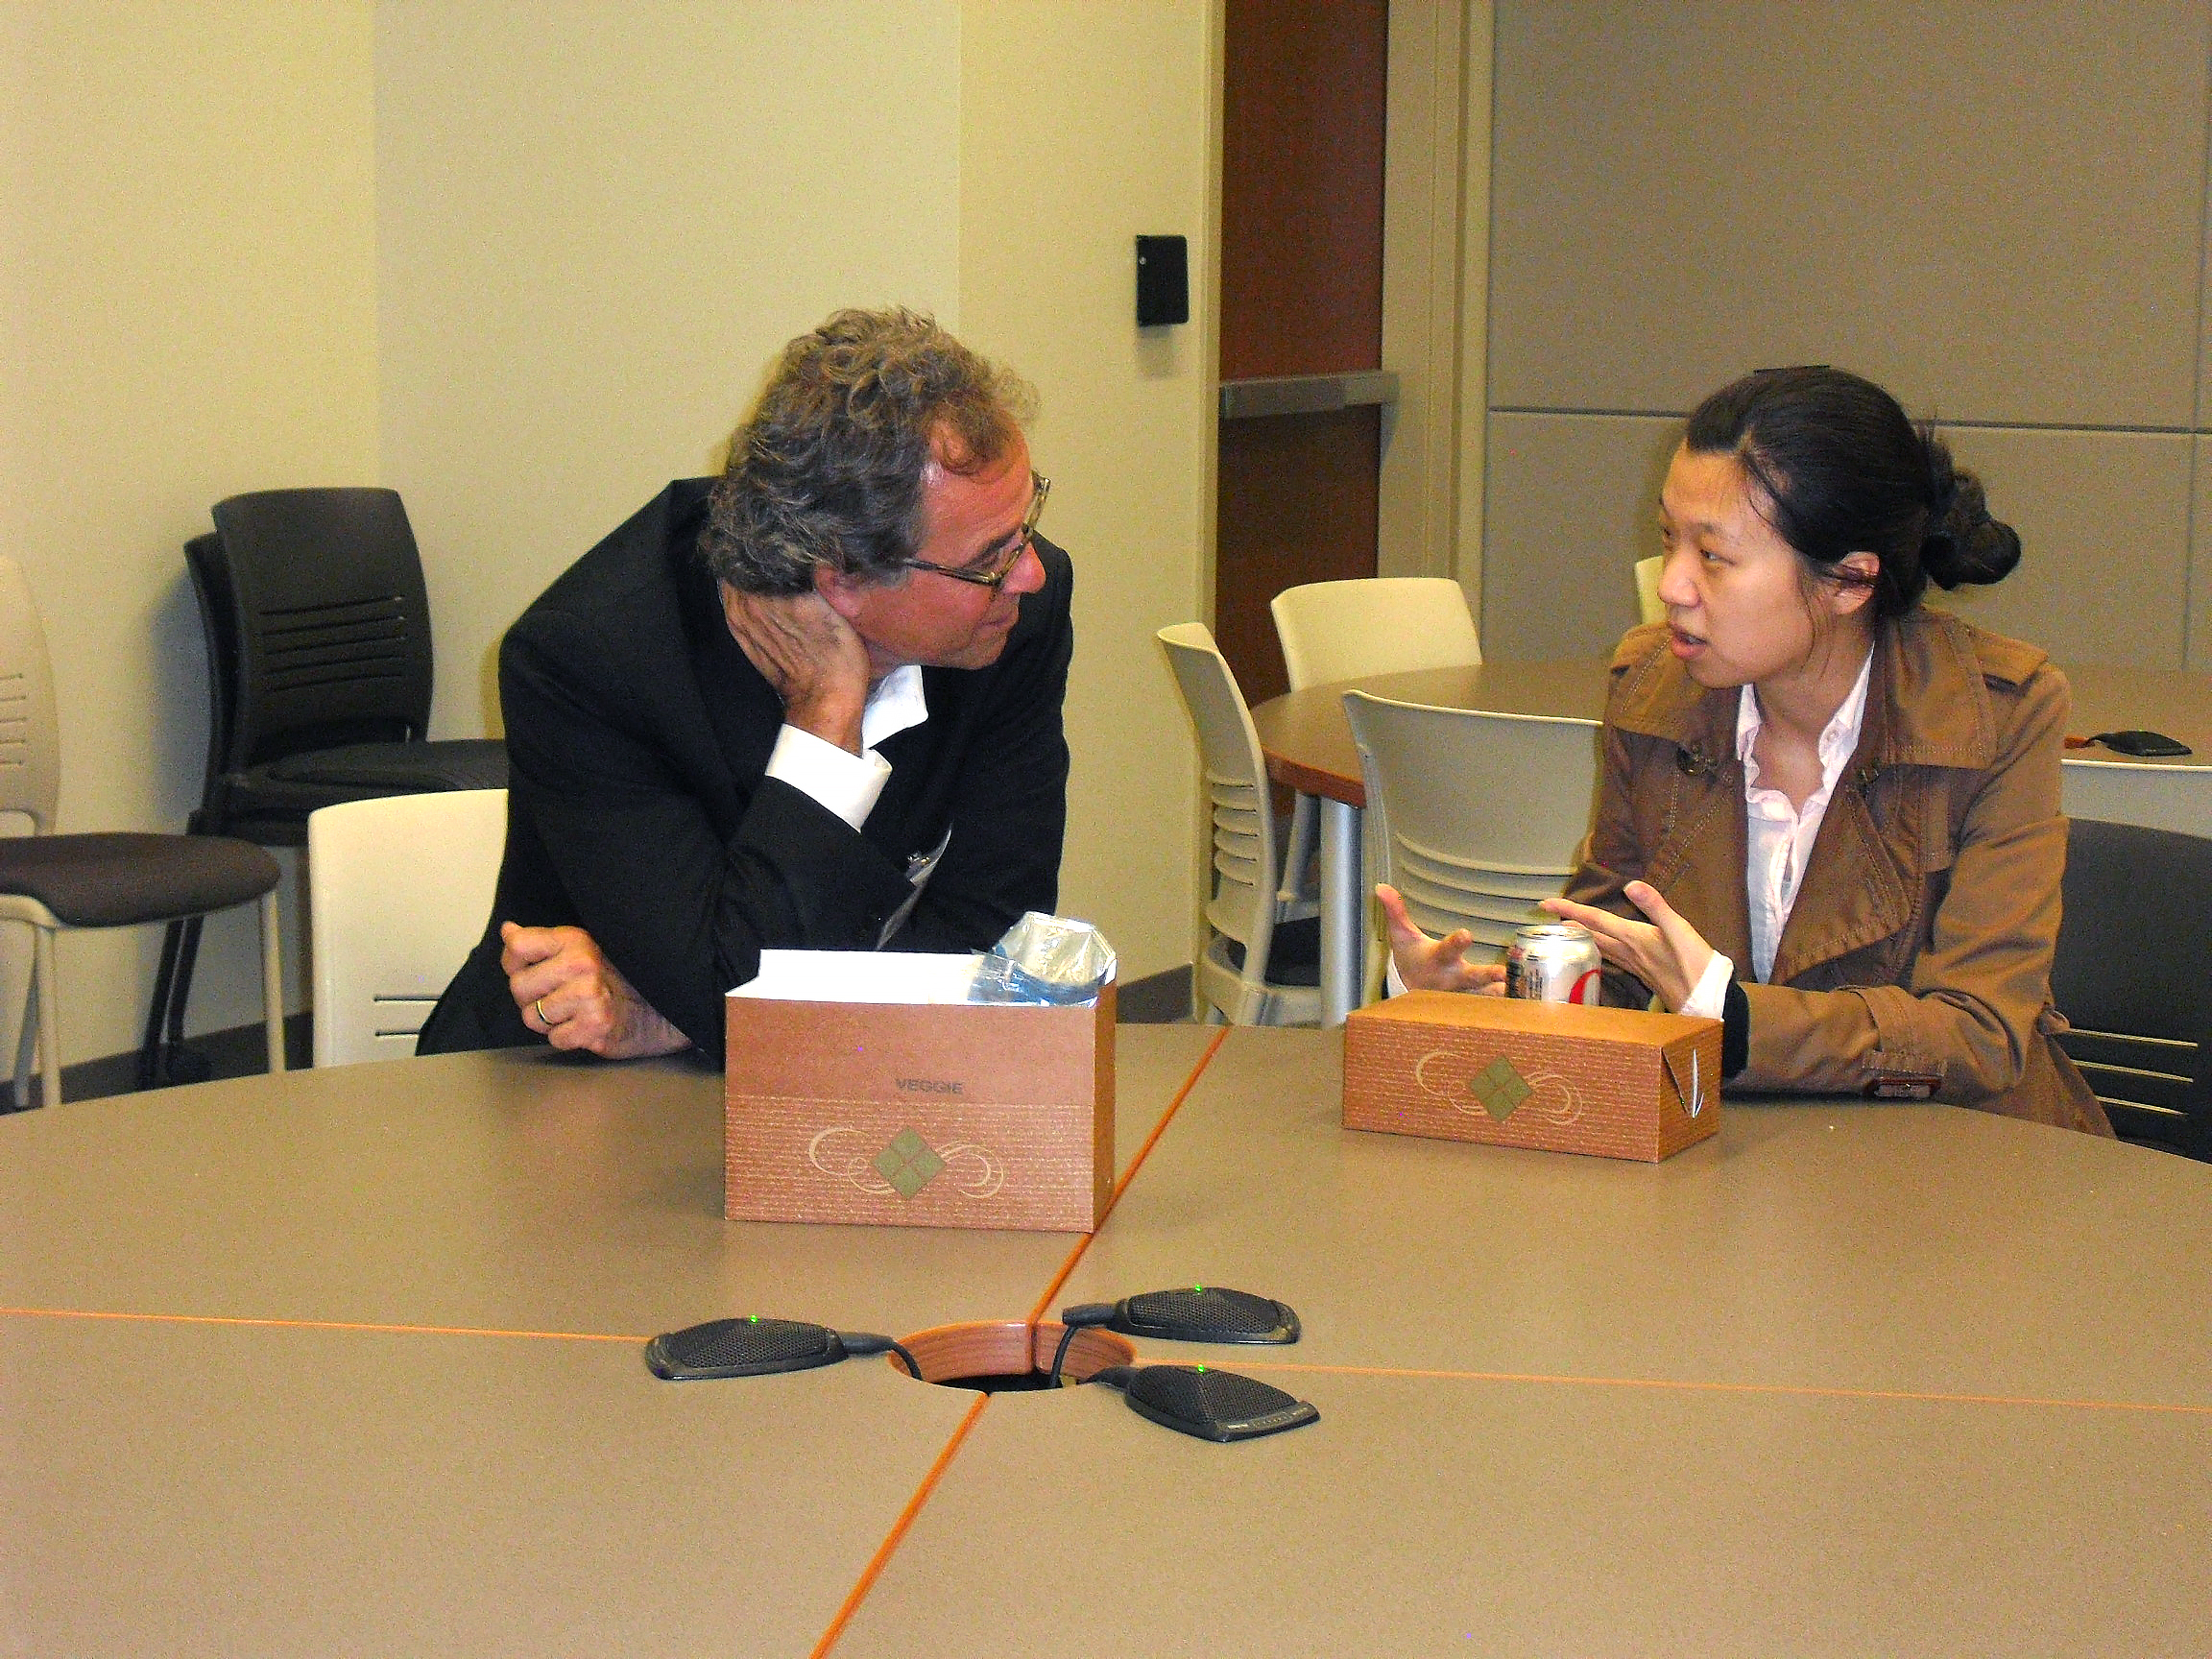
{"type": "Point", "coordinates": [1047, 959]}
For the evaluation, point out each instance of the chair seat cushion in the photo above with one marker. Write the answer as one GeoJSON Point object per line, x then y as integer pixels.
{"type": "Point", "coordinates": [1293, 952]}
{"type": "Point", "coordinates": [118, 880]}
{"type": "Point", "coordinates": [271, 802]}
{"type": "Point", "coordinates": [395, 768]}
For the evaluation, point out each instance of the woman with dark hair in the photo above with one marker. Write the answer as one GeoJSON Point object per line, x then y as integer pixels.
{"type": "Point", "coordinates": [1827, 815]}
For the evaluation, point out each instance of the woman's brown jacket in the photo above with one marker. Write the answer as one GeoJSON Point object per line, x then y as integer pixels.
{"type": "Point", "coordinates": [1916, 960]}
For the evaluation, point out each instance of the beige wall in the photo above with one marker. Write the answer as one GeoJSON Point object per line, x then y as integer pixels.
{"type": "Point", "coordinates": [596, 225]}
{"type": "Point", "coordinates": [186, 310]}
{"type": "Point", "coordinates": [526, 262]}
{"type": "Point", "coordinates": [1999, 211]}
{"type": "Point", "coordinates": [596, 229]}
{"type": "Point", "coordinates": [1082, 126]}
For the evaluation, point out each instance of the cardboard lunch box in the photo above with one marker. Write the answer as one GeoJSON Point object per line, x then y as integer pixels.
{"type": "Point", "coordinates": [861, 1107]}
{"type": "Point", "coordinates": [1611, 1081]}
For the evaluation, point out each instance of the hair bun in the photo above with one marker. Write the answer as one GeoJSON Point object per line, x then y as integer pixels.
{"type": "Point", "coordinates": [1965, 545]}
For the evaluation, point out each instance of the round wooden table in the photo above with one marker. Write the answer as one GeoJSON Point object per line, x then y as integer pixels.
{"type": "Point", "coordinates": [1308, 748]}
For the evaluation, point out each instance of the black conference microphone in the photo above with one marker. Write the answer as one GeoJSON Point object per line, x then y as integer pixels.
{"type": "Point", "coordinates": [752, 1346]}
{"type": "Point", "coordinates": [1202, 1313]}
{"type": "Point", "coordinates": [1209, 1405]}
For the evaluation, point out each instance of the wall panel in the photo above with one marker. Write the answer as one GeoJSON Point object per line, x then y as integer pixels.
{"type": "Point", "coordinates": [2104, 523]}
{"type": "Point", "coordinates": [2199, 655]}
{"type": "Point", "coordinates": [1571, 502]}
{"type": "Point", "coordinates": [1992, 209]}
{"type": "Point", "coordinates": [1995, 208]}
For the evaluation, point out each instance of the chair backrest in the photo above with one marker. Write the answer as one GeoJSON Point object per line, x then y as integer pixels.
{"type": "Point", "coordinates": [1243, 904]}
{"type": "Point", "coordinates": [30, 732]}
{"type": "Point", "coordinates": [317, 624]}
{"type": "Point", "coordinates": [1649, 607]}
{"type": "Point", "coordinates": [1483, 814]}
{"type": "Point", "coordinates": [2154, 796]}
{"type": "Point", "coordinates": [399, 888]}
{"type": "Point", "coordinates": [1332, 631]}
{"type": "Point", "coordinates": [2134, 975]}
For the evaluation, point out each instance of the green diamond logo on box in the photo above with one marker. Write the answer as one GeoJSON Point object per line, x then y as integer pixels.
{"type": "Point", "coordinates": [908, 1164]}
{"type": "Point", "coordinates": [1499, 1088]}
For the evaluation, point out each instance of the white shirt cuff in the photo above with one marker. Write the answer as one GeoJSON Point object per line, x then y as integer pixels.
{"type": "Point", "coordinates": [1710, 995]}
{"type": "Point", "coordinates": [845, 783]}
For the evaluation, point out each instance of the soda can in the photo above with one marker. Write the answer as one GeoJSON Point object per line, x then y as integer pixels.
{"type": "Point", "coordinates": [1553, 962]}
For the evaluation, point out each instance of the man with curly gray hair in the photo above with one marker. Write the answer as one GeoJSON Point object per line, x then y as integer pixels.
{"type": "Point", "coordinates": [814, 703]}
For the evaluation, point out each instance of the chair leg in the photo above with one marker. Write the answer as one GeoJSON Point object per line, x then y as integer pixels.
{"type": "Point", "coordinates": [180, 992]}
{"type": "Point", "coordinates": [179, 1063]}
{"type": "Point", "coordinates": [273, 979]}
{"type": "Point", "coordinates": [164, 987]}
{"type": "Point", "coordinates": [1305, 823]}
{"type": "Point", "coordinates": [49, 1018]}
{"type": "Point", "coordinates": [26, 1046]}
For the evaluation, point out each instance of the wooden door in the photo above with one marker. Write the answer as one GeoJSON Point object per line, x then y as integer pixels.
{"type": "Point", "coordinates": [1301, 293]}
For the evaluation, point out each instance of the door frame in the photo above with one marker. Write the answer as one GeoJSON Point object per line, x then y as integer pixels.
{"type": "Point", "coordinates": [1435, 289]}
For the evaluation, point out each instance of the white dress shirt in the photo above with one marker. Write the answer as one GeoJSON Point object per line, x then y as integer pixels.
{"type": "Point", "coordinates": [1778, 837]}
{"type": "Point", "coordinates": [849, 784]}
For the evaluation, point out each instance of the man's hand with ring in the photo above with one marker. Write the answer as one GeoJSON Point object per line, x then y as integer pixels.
{"type": "Point", "coordinates": [575, 998]}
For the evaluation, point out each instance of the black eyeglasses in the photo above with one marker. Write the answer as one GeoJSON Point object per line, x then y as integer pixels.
{"type": "Point", "coordinates": [1003, 564]}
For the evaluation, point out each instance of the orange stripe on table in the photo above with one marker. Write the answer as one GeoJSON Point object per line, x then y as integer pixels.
{"type": "Point", "coordinates": [315, 1325]}
{"type": "Point", "coordinates": [1692, 1385]}
{"type": "Point", "coordinates": [1067, 1267]}
{"type": "Point", "coordinates": [897, 1533]}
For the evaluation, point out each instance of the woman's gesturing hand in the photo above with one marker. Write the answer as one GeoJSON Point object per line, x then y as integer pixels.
{"type": "Point", "coordinates": [1665, 953]}
{"type": "Point", "coordinates": [1427, 964]}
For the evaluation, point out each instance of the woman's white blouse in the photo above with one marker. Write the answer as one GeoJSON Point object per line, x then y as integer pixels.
{"type": "Point", "coordinates": [1778, 837]}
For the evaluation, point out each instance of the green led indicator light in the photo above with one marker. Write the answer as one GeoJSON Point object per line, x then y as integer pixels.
{"type": "Point", "coordinates": [1201, 1370]}
{"type": "Point", "coordinates": [754, 1317]}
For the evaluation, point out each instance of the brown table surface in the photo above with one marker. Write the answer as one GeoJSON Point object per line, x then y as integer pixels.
{"type": "Point", "coordinates": [1844, 1379]}
{"type": "Point", "coordinates": [1308, 745]}
{"type": "Point", "coordinates": [349, 1361]}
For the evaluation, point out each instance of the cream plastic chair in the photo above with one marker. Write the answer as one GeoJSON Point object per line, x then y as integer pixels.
{"type": "Point", "coordinates": [1482, 813]}
{"type": "Point", "coordinates": [1244, 909]}
{"type": "Point", "coordinates": [399, 889]}
{"type": "Point", "coordinates": [97, 879]}
{"type": "Point", "coordinates": [1332, 631]}
{"type": "Point", "coordinates": [2155, 797]}
{"type": "Point", "coordinates": [1648, 604]}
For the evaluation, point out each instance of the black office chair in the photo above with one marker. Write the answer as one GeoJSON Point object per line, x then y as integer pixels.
{"type": "Point", "coordinates": [2133, 973]}
{"type": "Point", "coordinates": [317, 629]}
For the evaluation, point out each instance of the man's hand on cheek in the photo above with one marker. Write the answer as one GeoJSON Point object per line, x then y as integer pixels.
{"type": "Point", "coordinates": [570, 992]}
{"type": "Point", "coordinates": [809, 655]}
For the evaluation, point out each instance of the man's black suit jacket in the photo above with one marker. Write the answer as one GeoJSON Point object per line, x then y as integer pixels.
{"type": "Point", "coordinates": [638, 808]}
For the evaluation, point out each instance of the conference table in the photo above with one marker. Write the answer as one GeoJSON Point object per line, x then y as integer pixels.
{"type": "Point", "coordinates": [1308, 748]}
{"type": "Point", "coordinates": [350, 1361]}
